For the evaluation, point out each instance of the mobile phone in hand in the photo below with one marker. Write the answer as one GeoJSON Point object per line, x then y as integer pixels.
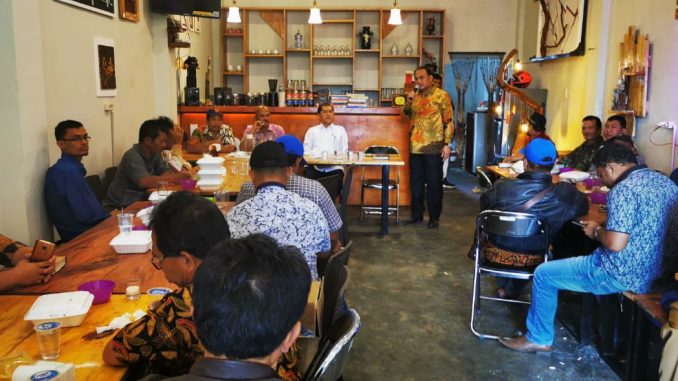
{"type": "Point", "coordinates": [42, 251]}
{"type": "Point", "coordinates": [578, 223]}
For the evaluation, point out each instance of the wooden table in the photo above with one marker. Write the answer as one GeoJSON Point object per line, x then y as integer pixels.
{"type": "Point", "coordinates": [90, 257]}
{"type": "Point", "coordinates": [18, 334]}
{"type": "Point", "coordinates": [367, 161]}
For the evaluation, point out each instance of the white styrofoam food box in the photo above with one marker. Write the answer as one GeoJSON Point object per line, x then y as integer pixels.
{"type": "Point", "coordinates": [68, 308]}
{"type": "Point", "coordinates": [136, 241]}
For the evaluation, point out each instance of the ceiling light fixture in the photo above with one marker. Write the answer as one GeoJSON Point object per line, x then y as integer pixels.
{"type": "Point", "coordinates": [395, 18]}
{"type": "Point", "coordinates": [233, 14]}
{"type": "Point", "coordinates": [314, 17]}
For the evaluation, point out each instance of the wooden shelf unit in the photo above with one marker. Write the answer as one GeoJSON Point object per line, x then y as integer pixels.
{"type": "Point", "coordinates": [364, 70]}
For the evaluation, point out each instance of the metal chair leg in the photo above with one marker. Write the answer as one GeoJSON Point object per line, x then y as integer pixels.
{"type": "Point", "coordinates": [362, 201]}
{"type": "Point", "coordinates": [398, 204]}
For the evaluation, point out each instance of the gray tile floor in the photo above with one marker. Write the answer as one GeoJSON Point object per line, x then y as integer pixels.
{"type": "Point", "coordinates": [412, 290]}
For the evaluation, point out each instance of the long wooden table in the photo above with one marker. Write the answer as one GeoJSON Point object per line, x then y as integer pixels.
{"type": "Point", "coordinates": [90, 257]}
{"type": "Point", "coordinates": [18, 335]}
{"type": "Point", "coordinates": [367, 161]}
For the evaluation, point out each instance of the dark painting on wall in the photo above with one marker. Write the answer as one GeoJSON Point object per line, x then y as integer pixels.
{"type": "Point", "coordinates": [562, 29]}
{"type": "Point", "coordinates": [105, 7]}
{"type": "Point", "coordinates": [104, 55]}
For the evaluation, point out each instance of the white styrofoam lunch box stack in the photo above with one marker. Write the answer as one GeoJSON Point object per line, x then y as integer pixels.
{"type": "Point", "coordinates": [68, 308]}
{"type": "Point", "coordinates": [136, 241]}
{"type": "Point", "coordinates": [211, 173]}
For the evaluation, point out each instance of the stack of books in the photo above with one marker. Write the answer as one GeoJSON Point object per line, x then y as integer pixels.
{"type": "Point", "coordinates": [357, 100]}
{"type": "Point", "coordinates": [339, 100]}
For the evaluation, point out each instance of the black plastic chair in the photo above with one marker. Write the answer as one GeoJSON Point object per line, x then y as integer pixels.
{"type": "Point", "coordinates": [340, 258]}
{"type": "Point", "coordinates": [506, 224]}
{"type": "Point", "coordinates": [484, 180]}
{"type": "Point", "coordinates": [331, 302]}
{"type": "Point", "coordinates": [332, 184]}
{"type": "Point", "coordinates": [94, 182]}
{"type": "Point", "coordinates": [330, 359]}
{"type": "Point", "coordinates": [109, 175]}
{"type": "Point", "coordinates": [375, 184]}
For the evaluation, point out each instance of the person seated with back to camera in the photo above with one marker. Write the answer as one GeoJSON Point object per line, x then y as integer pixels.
{"type": "Point", "coordinates": [142, 167]}
{"type": "Point", "coordinates": [215, 132]}
{"type": "Point", "coordinates": [248, 299]}
{"type": "Point", "coordinates": [559, 204]}
{"type": "Point", "coordinates": [16, 270]}
{"type": "Point", "coordinates": [263, 130]}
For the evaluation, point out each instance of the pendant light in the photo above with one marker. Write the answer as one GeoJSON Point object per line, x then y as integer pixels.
{"type": "Point", "coordinates": [233, 14]}
{"type": "Point", "coordinates": [395, 18]}
{"type": "Point", "coordinates": [314, 17]}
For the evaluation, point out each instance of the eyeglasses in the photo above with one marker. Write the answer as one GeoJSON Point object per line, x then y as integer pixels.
{"type": "Point", "coordinates": [84, 138]}
{"type": "Point", "coordinates": [157, 261]}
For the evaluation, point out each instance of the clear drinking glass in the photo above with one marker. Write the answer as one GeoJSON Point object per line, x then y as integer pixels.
{"type": "Point", "coordinates": [49, 339]}
{"type": "Point", "coordinates": [125, 222]}
{"type": "Point", "coordinates": [133, 289]}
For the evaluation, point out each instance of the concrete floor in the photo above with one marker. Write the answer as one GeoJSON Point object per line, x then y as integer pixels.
{"type": "Point", "coordinates": [412, 290]}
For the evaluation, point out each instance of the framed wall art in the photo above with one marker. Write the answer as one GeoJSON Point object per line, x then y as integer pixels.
{"type": "Point", "coordinates": [104, 7]}
{"type": "Point", "coordinates": [104, 62]}
{"type": "Point", "coordinates": [129, 10]}
{"type": "Point", "coordinates": [562, 29]}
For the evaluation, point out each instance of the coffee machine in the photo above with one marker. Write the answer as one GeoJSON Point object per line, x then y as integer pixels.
{"type": "Point", "coordinates": [272, 96]}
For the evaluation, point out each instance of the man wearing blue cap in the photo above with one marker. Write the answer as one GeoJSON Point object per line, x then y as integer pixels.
{"type": "Point", "coordinates": [304, 187]}
{"type": "Point", "coordinates": [534, 189]}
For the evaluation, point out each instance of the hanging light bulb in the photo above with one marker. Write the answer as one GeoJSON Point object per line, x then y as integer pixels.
{"type": "Point", "coordinates": [498, 109]}
{"type": "Point", "coordinates": [233, 14]}
{"type": "Point", "coordinates": [394, 18]}
{"type": "Point", "coordinates": [314, 17]}
{"type": "Point", "coordinates": [518, 67]}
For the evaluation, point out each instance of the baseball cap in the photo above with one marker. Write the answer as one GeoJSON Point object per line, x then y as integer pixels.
{"type": "Point", "coordinates": [293, 146]}
{"type": "Point", "coordinates": [268, 155]}
{"type": "Point", "coordinates": [538, 122]}
{"type": "Point", "coordinates": [213, 112]}
{"type": "Point", "coordinates": [540, 151]}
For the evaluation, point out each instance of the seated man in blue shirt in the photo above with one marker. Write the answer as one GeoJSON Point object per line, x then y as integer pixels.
{"type": "Point", "coordinates": [640, 233]}
{"type": "Point", "coordinates": [72, 206]}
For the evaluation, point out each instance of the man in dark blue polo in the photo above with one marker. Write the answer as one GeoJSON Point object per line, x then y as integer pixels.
{"type": "Point", "coordinates": [71, 204]}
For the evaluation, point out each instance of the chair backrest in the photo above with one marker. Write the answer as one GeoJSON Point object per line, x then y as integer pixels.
{"type": "Point", "coordinates": [484, 180]}
{"type": "Point", "coordinates": [109, 175]}
{"type": "Point", "coordinates": [512, 224]}
{"type": "Point", "coordinates": [338, 258]}
{"type": "Point", "coordinates": [382, 150]}
{"type": "Point", "coordinates": [94, 182]}
{"type": "Point", "coordinates": [330, 360]}
{"type": "Point", "coordinates": [333, 286]}
{"type": "Point", "coordinates": [332, 184]}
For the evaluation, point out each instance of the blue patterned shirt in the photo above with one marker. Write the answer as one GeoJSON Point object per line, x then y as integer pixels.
{"type": "Point", "coordinates": [285, 216]}
{"type": "Point", "coordinates": [308, 189]}
{"type": "Point", "coordinates": [644, 205]}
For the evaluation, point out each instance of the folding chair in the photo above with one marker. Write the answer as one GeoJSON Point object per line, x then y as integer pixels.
{"type": "Point", "coordinates": [340, 257]}
{"type": "Point", "coordinates": [506, 224]}
{"type": "Point", "coordinates": [375, 184]}
{"type": "Point", "coordinates": [329, 362]}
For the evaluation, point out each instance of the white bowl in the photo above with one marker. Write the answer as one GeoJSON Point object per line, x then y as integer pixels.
{"type": "Point", "coordinates": [134, 242]}
{"type": "Point", "coordinates": [68, 308]}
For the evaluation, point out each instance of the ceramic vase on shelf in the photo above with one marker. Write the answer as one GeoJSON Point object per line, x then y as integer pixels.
{"type": "Point", "coordinates": [431, 26]}
{"type": "Point", "coordinates": [366, 38]}
{"type": "Point", "coordinates": [298, 40]}
{"type": "Point", "coordinates": [408, 49]}
{"type": "Point", "coordinates": [395, 49]}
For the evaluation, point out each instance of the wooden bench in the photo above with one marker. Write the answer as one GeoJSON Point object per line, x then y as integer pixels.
{"type": "Point", "coordinates": [645, 345]}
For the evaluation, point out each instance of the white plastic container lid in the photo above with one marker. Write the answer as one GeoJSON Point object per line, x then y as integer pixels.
{"type": "Point", "coordinates": [210, 160]}
{"type": "Point", "coordinates": [60, 306]}
{"type": "Point", "coordinates": [216, 181]}
{"type": "Point", "coordinates": [134, 242]}
{"type": "Point", "coordinates": [574, 175]}
{"type": "Point", "coordinates": [221, 171]}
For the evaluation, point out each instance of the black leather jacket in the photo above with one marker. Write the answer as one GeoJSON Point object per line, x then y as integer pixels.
{"type": "Point", "coordinates": [562, 204]}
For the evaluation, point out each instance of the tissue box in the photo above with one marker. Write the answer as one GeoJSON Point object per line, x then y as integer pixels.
{"type": "Point", "coordinates": [68, 308]}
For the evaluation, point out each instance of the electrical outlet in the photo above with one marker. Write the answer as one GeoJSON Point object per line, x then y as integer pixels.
{"type": "Point", "coordinates": [108, 106]}
{"type": "Point", "coordinates": [669, 125]}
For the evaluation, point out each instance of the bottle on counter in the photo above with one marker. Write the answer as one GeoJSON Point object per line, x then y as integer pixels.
{"type": "Point", "coordinates": [248, 144]}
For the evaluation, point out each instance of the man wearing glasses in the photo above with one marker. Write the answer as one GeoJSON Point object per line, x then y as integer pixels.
{"type": "Point", "coordinates": [72, 206]}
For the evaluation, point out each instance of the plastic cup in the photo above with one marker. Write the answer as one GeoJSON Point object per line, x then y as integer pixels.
{"type": "Point", "coordinates": [49, 339]}
{"type": "Point", "coordinates": [361, 155]}
{"type": "Point", "coordinates": [188, 184]}
{"type": "Point", "coordinates": [351, 156]}
{"type": "Point", "coordinates": [133, 289]}
{"type": "Point", "coordinates": [155, 295]}
{"type": "Point", "coordinates": [125, 222]}
{"type": "Point", "coordinates": [163, 190]}
{"type": "Point", "coordinates": [325, 155]}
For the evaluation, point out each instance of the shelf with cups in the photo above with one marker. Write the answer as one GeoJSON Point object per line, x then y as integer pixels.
{"type": "Point", "coordinates": [294, 50]}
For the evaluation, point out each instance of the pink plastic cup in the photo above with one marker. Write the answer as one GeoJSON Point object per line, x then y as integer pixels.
{"type": "Point", "coordinates": [101, 289]}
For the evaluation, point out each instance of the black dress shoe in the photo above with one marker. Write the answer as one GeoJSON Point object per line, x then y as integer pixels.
{"type": "Point", "coordinates": [414, 221]}
{"type": "Point", "coordinates": [433, 224]}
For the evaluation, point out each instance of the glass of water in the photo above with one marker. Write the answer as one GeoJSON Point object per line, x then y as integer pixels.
{"type": "Point", "coordinates": [125, 222]}
{"type": "Point", "coordinates": [49, 339]}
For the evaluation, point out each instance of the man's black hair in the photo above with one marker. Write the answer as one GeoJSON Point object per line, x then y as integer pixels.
{"type": "Point", "coordinates": [291, 160]}
{"type": "Point", "coordinates": [166, 124]}
{"type": "Point", "coordinates": [425, 67]}
{"type": "Point", "coordinates": [614, 152]}
{"type": "Point", "coordinates": [190, 223]}
{"type": "Point", "coordinates": [247, 296]}
{"type": "Point", "coordinates": [619, 118]}
{"type": "Point", "coordinates": [60, 129]}
{"type": "Point", "coordinates": [437, 76]}
{"type": "Point", "coordinates": [599, 124]}
{"type": "Point", "coordinates": [152, 128]}
{"type": "Point", "coordinates": [325, 104]}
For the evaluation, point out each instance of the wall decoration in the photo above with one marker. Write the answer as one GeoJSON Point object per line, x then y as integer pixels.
{"type": "Point", "coordinates": [129, 9]}
{"type": "Point", "coordinates": [104, 60]}
{"type": "Point", "coordinates": [104, 7]}
{"type": "Point", "coordinates": [562, 29]}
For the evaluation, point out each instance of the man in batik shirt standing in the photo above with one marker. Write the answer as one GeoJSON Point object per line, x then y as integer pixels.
{"type": "Point", "coordinates": [430, 135]}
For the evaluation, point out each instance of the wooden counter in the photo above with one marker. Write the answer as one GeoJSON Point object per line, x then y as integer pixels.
{"type": "Point", "coordinates": [364, 127]}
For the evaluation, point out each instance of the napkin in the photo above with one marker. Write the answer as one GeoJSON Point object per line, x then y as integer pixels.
{"type": "Point", "coordinates": [121, 321]}
{"type": "Point", "coordinates": [145, 215]}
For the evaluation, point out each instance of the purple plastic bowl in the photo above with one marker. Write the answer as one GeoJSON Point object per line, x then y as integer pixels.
{"type": "Point", "coordinates": [566, 169]}
{"type": "Point", "coordinates": [598, 197]}
{"type": "Point", "coordinates": [188, 184]}
{"type": "Point", "coordinates": [101, 289]}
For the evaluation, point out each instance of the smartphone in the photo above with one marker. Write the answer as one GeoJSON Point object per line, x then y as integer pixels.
{"type": "Point", "coordinates": [42, 251]}
{"type": "Point", "coordinates": [578, 223]}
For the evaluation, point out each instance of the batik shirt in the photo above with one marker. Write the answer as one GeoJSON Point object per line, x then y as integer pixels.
{"type": "Point", "coordinates": [430, 112]}
{"type": "Point", "coordinates": [271, 133]}
{"type": "Point", "coordinates": [224, 136]}
{"type": "Point", "coordinates": [285, 216]}
{"type": "Point", "coordinates": [582, 156]}
{"type": "Point", "coordinates": [308, 189]}
{"type": "Point", "coordinates": [165, 341]}
{"type": "Point", "coordinates": [644, 205]}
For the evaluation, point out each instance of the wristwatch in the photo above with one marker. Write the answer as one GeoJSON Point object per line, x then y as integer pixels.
{"type": "Point", "coordinates": [596, 231]}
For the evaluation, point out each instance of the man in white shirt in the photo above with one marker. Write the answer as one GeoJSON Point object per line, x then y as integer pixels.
{"type": "Point", "coordinates": [326, 137]}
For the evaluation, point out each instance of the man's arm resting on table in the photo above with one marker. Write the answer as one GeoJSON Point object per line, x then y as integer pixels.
{"type": "Point", "coordinates": [152, 181]}
{"type": "Point", "coordinates": [612, 240]}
